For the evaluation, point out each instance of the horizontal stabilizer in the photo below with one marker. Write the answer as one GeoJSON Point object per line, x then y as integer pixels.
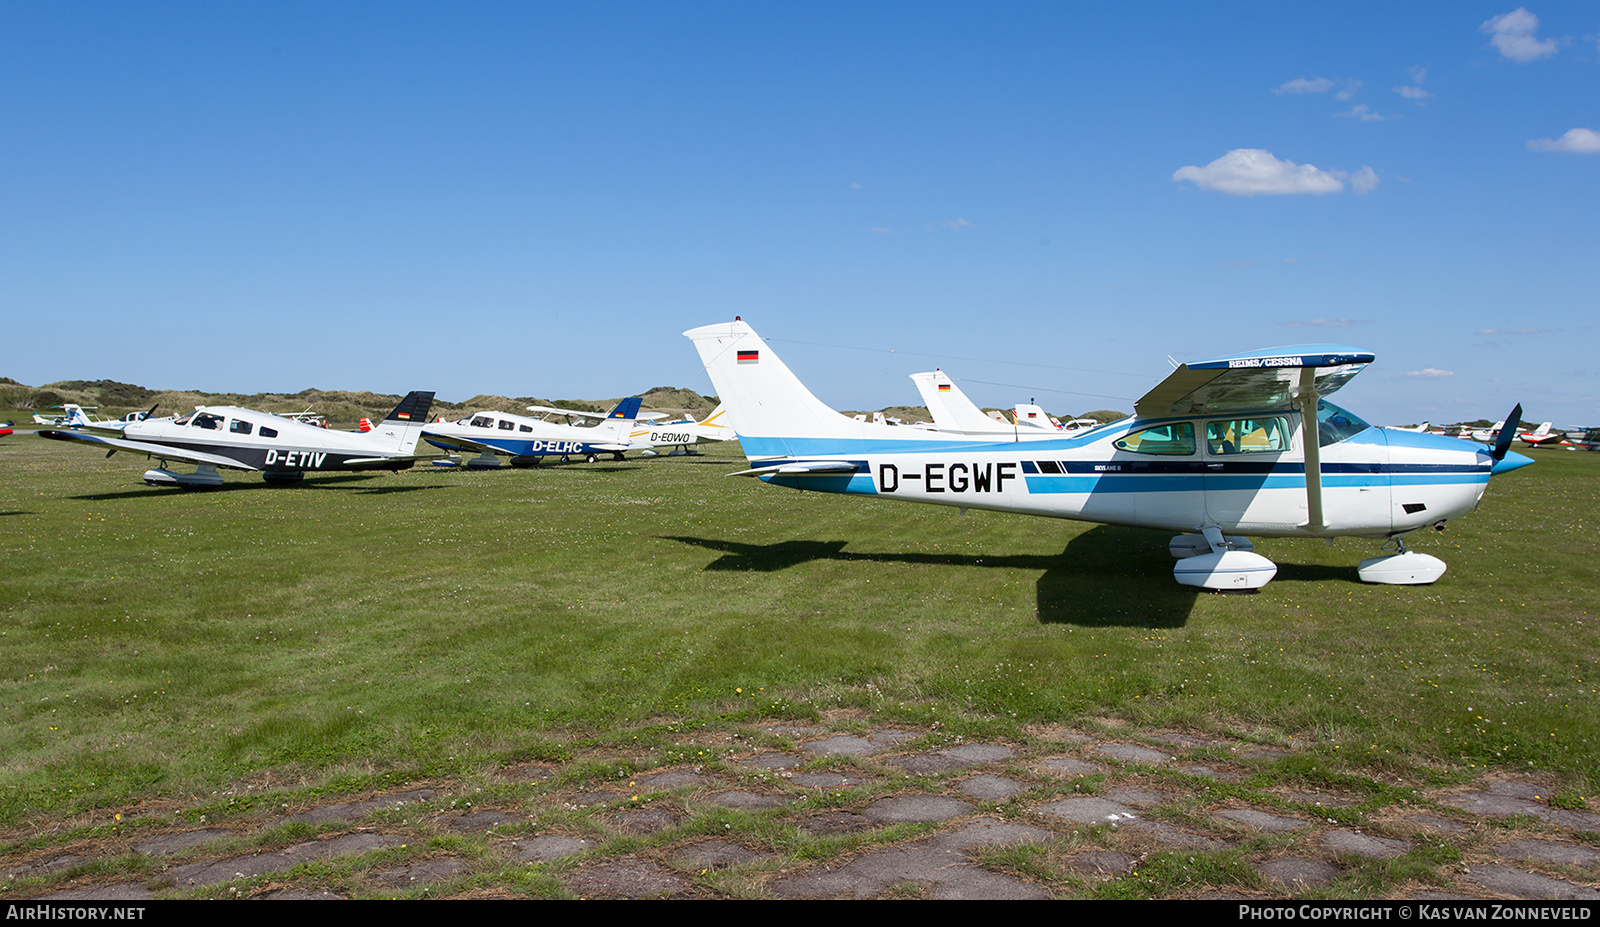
{"type": "Point", "coordinates": [808, 468]}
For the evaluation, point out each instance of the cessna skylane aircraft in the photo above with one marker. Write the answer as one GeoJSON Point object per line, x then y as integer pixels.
{"type": "Point", "coordinates": [244, 439]}
{"type": "Point", "coordinates": [528, 440]}
{"type": "Point", "coordinates": [1240, 445]}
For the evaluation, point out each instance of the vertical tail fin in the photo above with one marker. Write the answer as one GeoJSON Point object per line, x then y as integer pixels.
{"type": "Point", "coordinates": [763, 398]}
{"type": "Point", "coordinates": [619, 421]}
{"type": "Point", "coordinates": [770, 409]}
{"type": "Point", "coordinates": [952, 411]}
{"type": "Point", "coordinates": [716, 427]}
{"type": "Point", "coordinates": [402, 427]}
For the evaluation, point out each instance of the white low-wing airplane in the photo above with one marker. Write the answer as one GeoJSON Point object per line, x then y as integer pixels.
{"type": "Point", "coordinates": [282, 449]}
{"type": "Point", "coordinates": [679, 435]}
{"type": "Point", "coordinates": [528, 440]}
{"type": "Point", "coordinates": [1240, 445]}
{"type": "Point", "coordinates": [1542, 436]}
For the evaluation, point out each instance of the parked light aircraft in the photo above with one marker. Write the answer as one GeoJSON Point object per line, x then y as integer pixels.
{"type": "Point", "coordinates": [528, 440]}
{"type": "Point", "coordinates": [1542, 436]}
{"type": "Point", "coordinates": [679, 435]}
{"type": "Point", "coordinates": [954, 413]}
{"type": "Point", "coordinates": [282, 449]}
{"type": "Point", "coordinates": [76, 416]}
{"type": "Point", "coordinates": [1240, 445]}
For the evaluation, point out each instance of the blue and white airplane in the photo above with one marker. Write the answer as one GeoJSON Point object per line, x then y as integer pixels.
{"type": "Point", "coordinates": [77, 417]}
{"type": "Point", "coordinates": [1239, 445]}
{"type": "Point", "coordinates": [526, 441]}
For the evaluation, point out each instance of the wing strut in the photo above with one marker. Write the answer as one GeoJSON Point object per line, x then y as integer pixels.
{"type": "Point", "coordinates": [1306, 397]}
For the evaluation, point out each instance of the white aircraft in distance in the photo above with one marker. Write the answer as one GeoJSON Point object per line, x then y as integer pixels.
{"type": "Point", "coordinates": [76, 416]}
{"type": "Point", "coordinates": [1242, 445]}
{"type": "Point", "coordinates": [955, 414]}
{"type": "Point", "coordinates": [1542, 436]}
{"type": "Point", "coordinates": [282, 449]}
{"type": "Point", "coordinates": [679, 435]}
{"type": "Point", "coordinates": [526, 441]}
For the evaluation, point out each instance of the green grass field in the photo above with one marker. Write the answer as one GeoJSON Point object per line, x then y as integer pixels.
{"type": "Point", "coordinates": [164, 644]}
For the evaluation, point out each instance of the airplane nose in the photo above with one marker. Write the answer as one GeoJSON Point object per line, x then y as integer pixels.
{"type": "Point", "coordinates": [1512, 461]}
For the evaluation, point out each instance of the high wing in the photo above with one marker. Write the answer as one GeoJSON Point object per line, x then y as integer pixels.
{"type": "Point", "coordinates": [1258, 381]}
{"type": "Point", "coordinates": [161, 451]}
{"type": "Point", "coordinates": [552, 410]}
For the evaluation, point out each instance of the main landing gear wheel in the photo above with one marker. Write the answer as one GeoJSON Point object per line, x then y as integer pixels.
{"type": "Point", "coordinates": [1224, 564]}
{"type": "Point", "coordinates": [1401, 568]}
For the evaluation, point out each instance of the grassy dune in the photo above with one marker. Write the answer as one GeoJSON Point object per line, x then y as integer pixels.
{"type": "Point", "coordinates": [164, 643]}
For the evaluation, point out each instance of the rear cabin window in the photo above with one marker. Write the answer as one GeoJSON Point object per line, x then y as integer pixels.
{"type": "Point", "coordinates": [508, 426]}
{"type": "Point", "coordinates": [268, 432]}
{"type": "Point", "coordinates": [1172, 439]}
{"type": "Point", "coordinates": [239, 427]}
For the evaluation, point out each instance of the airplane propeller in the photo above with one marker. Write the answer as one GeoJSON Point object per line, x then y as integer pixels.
{"type": "Point", "coordinates": [1508, 433]}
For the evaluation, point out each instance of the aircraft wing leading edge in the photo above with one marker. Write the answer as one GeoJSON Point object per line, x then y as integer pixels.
{"type": "Point", "coordinates": [160, 451]}
{"type": "Point", "coordinates": [1269, 380]}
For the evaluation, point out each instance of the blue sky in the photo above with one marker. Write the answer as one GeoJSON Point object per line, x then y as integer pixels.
{"type": "Point", "coordinates": [1046, 200]}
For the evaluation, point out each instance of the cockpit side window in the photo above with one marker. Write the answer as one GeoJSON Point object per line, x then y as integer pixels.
{"type": "Point", "coordinates": [1247, 436]}
{"type": "Point", "coordinates": [482, 421]}
{"type": "Point", "coordinates": [1171, 439]}
{"type": "Point", "coordinates": [207, 420]}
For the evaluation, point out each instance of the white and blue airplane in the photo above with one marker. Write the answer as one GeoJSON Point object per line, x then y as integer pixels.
{"type": "Point", "coordinates": [1236, 446]}
{"type": "Point", "coordinates": [77, 417]}
{"type": "Point", "coordinates": [492, 435]}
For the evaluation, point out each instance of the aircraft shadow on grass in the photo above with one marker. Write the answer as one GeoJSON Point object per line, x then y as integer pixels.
{"type": "Point", "coordinates": [1108, 576]}
{"type": "Point", "coordinates": [355, 483]}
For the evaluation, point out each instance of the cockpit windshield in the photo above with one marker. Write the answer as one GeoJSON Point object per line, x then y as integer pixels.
{"type": "Point", "coordinates": [1335, 424]}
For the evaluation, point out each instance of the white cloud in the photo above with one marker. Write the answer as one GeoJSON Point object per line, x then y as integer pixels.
{"type": "Point", "coordinates": [1412, 93]}
{"type": "Point", "coordinates": [1347, 88]}
{"type": "Point", "coordinates": [1362, 112]}
{"type": "Point", "coordinates": [1322, 323]}
{"type": "Point", "coordinates": [1512, 34]}
{"type": "Point", "coordinates": [1254, 171]}
{"type": "Point", "coordinates": [1575, 141]}
{"type": "Point", "coordinates": [1305, 85]}
{"type": "Point", "coordinates": [1431, 373]}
